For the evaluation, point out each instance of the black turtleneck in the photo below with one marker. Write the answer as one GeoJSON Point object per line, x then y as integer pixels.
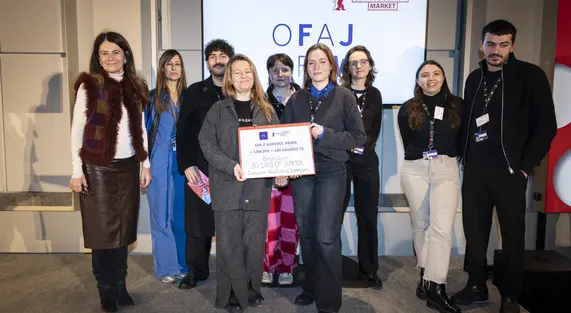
{"type": "Point", "coordinates": [415, 141]}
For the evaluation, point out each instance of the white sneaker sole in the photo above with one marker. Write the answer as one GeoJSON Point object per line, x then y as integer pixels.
{"type": "Point", "coordinates": [168, 279]}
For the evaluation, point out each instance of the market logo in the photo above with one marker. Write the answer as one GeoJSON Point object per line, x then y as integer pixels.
{"type": "Point", "coordinates": [372, 5]}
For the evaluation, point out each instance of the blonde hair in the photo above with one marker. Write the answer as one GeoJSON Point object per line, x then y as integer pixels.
{"type": "Point", "coordinates": [257, 91]}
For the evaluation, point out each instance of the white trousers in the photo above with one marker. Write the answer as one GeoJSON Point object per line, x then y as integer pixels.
{"type": "Point", "coordinates": [432, 188]}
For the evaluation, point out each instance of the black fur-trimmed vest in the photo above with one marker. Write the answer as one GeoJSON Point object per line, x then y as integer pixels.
{"type": "Point", "coordinates": [105, 96]}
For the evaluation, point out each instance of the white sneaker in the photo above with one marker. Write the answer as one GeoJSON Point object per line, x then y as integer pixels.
{"type": "Point", "coordinates": [180, 275]}
{"type": "Point", "coordinates": [285, 279]}
{"type": "Point", "coordinates": [267, 278]}
{"type": "Point", "coordinates": [168, 279]}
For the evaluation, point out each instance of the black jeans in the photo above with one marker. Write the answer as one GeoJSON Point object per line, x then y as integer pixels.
{"type": "Point", "coordinates": [482, 189]}
{"type": "Point", "coordinates": [318, 202]}
{"type": "Point", "coordinates": [363, 170]}
{"type": "Point", "coordinates": [109, 266]}
{"type": "Point", "coordinates": [197, 256]}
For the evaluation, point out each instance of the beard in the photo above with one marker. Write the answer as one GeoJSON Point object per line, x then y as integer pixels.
{"type": "Point", "coordinates": [501, 62]}
{"type": "Point", "coordinates": [218, 69]}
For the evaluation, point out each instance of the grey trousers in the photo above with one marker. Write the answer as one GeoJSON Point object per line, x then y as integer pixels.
{"type": "Point", "coordinates": [240, 242]}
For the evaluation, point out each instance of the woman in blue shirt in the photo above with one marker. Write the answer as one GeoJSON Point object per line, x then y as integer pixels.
{"type": "Point", "coordinates": [166, 192]}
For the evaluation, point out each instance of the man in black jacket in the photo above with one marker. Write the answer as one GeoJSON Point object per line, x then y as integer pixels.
{"type": "Point", "coordinates": [199, 219]}
{"type": "Point", "coordinates": [506, 131]}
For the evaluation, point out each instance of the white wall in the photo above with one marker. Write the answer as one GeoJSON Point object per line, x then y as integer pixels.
{"type": "Point", "coordinates": [61, 231]}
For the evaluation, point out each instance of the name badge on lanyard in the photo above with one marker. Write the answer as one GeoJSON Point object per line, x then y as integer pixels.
{"type": "Point", "coordinates": [481, 136]}
{"type": "Point", "coordinates": [485, 117]}
{"type": "Point", "coordinates": [482, 120]}
{"type": "Point", "coordinates": [431, 153]}
{"type": "Point", "coordinates": [358, 150]}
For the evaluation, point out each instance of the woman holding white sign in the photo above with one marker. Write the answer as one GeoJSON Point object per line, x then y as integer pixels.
{"type": "Point", "coordinates": [240, 206]}
{"type": "Point", "coordinates": [429, 125]}
{"type": "Point", "coordinates": [336, 127]}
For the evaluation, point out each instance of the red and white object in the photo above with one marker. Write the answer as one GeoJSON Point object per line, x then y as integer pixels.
{"type": "Point", "coordinates": [558, 188]}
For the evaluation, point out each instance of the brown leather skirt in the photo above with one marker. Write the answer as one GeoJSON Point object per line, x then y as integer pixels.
{"type": "Point", "coordinates": [110, 207]}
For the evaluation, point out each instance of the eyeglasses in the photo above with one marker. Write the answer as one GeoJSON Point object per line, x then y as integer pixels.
{"type": "Point", "coordinates": [353, 64]}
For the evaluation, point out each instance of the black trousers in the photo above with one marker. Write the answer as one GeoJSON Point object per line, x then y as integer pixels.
{"type": "Point", "coordinates": [482, 189]}
{"type": "Point", "coordinates": [363, 170]}
{"type": "Point", "coordinates": [199, 228]}
{"type": "Point", "coordinates": [197, 256]}
{"type": "Point", "coordinates": [318, 202]}
{"type": "Point", "coordinates": [109, 266]}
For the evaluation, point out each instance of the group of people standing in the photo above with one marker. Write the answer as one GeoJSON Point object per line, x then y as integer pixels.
{"type": "Point", "coordinates": [123, 135]}
{"type": "Point", "coordinates": [500, 131]}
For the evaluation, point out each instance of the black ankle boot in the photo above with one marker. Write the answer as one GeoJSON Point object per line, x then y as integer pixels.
{"type": "Point", "coordinates": [473, 292]}
{"type": "Point", "coordinates": [438, 299]}
{"type": "Point", "coordinates": [422, 287]}
{"type": "Point", "coordinates": [509, 305]}
{"type": "Point", "coordinates": [107, 298]}
{"type": "Point", "coordinates": [122, 295]}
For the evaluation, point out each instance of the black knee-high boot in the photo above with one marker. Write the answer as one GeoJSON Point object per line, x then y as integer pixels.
{"type": "Point", "coordinates": [99, 261]}
{"type": "Point", "coordinates": [118, 268]}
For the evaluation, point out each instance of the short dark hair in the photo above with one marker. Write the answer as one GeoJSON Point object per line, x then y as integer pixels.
{"type": "Point", "coordinates": [278, 57]}
{"type": "Point", "coordinates": [218, 45]}
{"type": "Point", "coordinates": [499, 28]}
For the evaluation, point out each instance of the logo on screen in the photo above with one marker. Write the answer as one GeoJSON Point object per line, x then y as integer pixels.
{"type": "Point", "coordinates": [338, 5]}
{"type": "Point", "coordinates": [372, 5]}
{"type": "Point", "coordinates": [263, 135]}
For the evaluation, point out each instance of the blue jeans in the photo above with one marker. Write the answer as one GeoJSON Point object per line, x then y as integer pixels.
{"type": "Point", "coordinates": [318, 202]}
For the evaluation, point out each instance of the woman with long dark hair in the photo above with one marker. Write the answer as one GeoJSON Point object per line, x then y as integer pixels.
{"type": "Point", "coordinates": [110, 162]}
{"type": "Point", "coordinates": [166, 191]}
{"type": "Point", "coordinates": [429, 124]}
{"type": "Point", "coordinates": [358, 74]}
{"type": "Point", "coordinates": [240, 205]}
{"type": "Point", "coordinates": [336, 127]}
